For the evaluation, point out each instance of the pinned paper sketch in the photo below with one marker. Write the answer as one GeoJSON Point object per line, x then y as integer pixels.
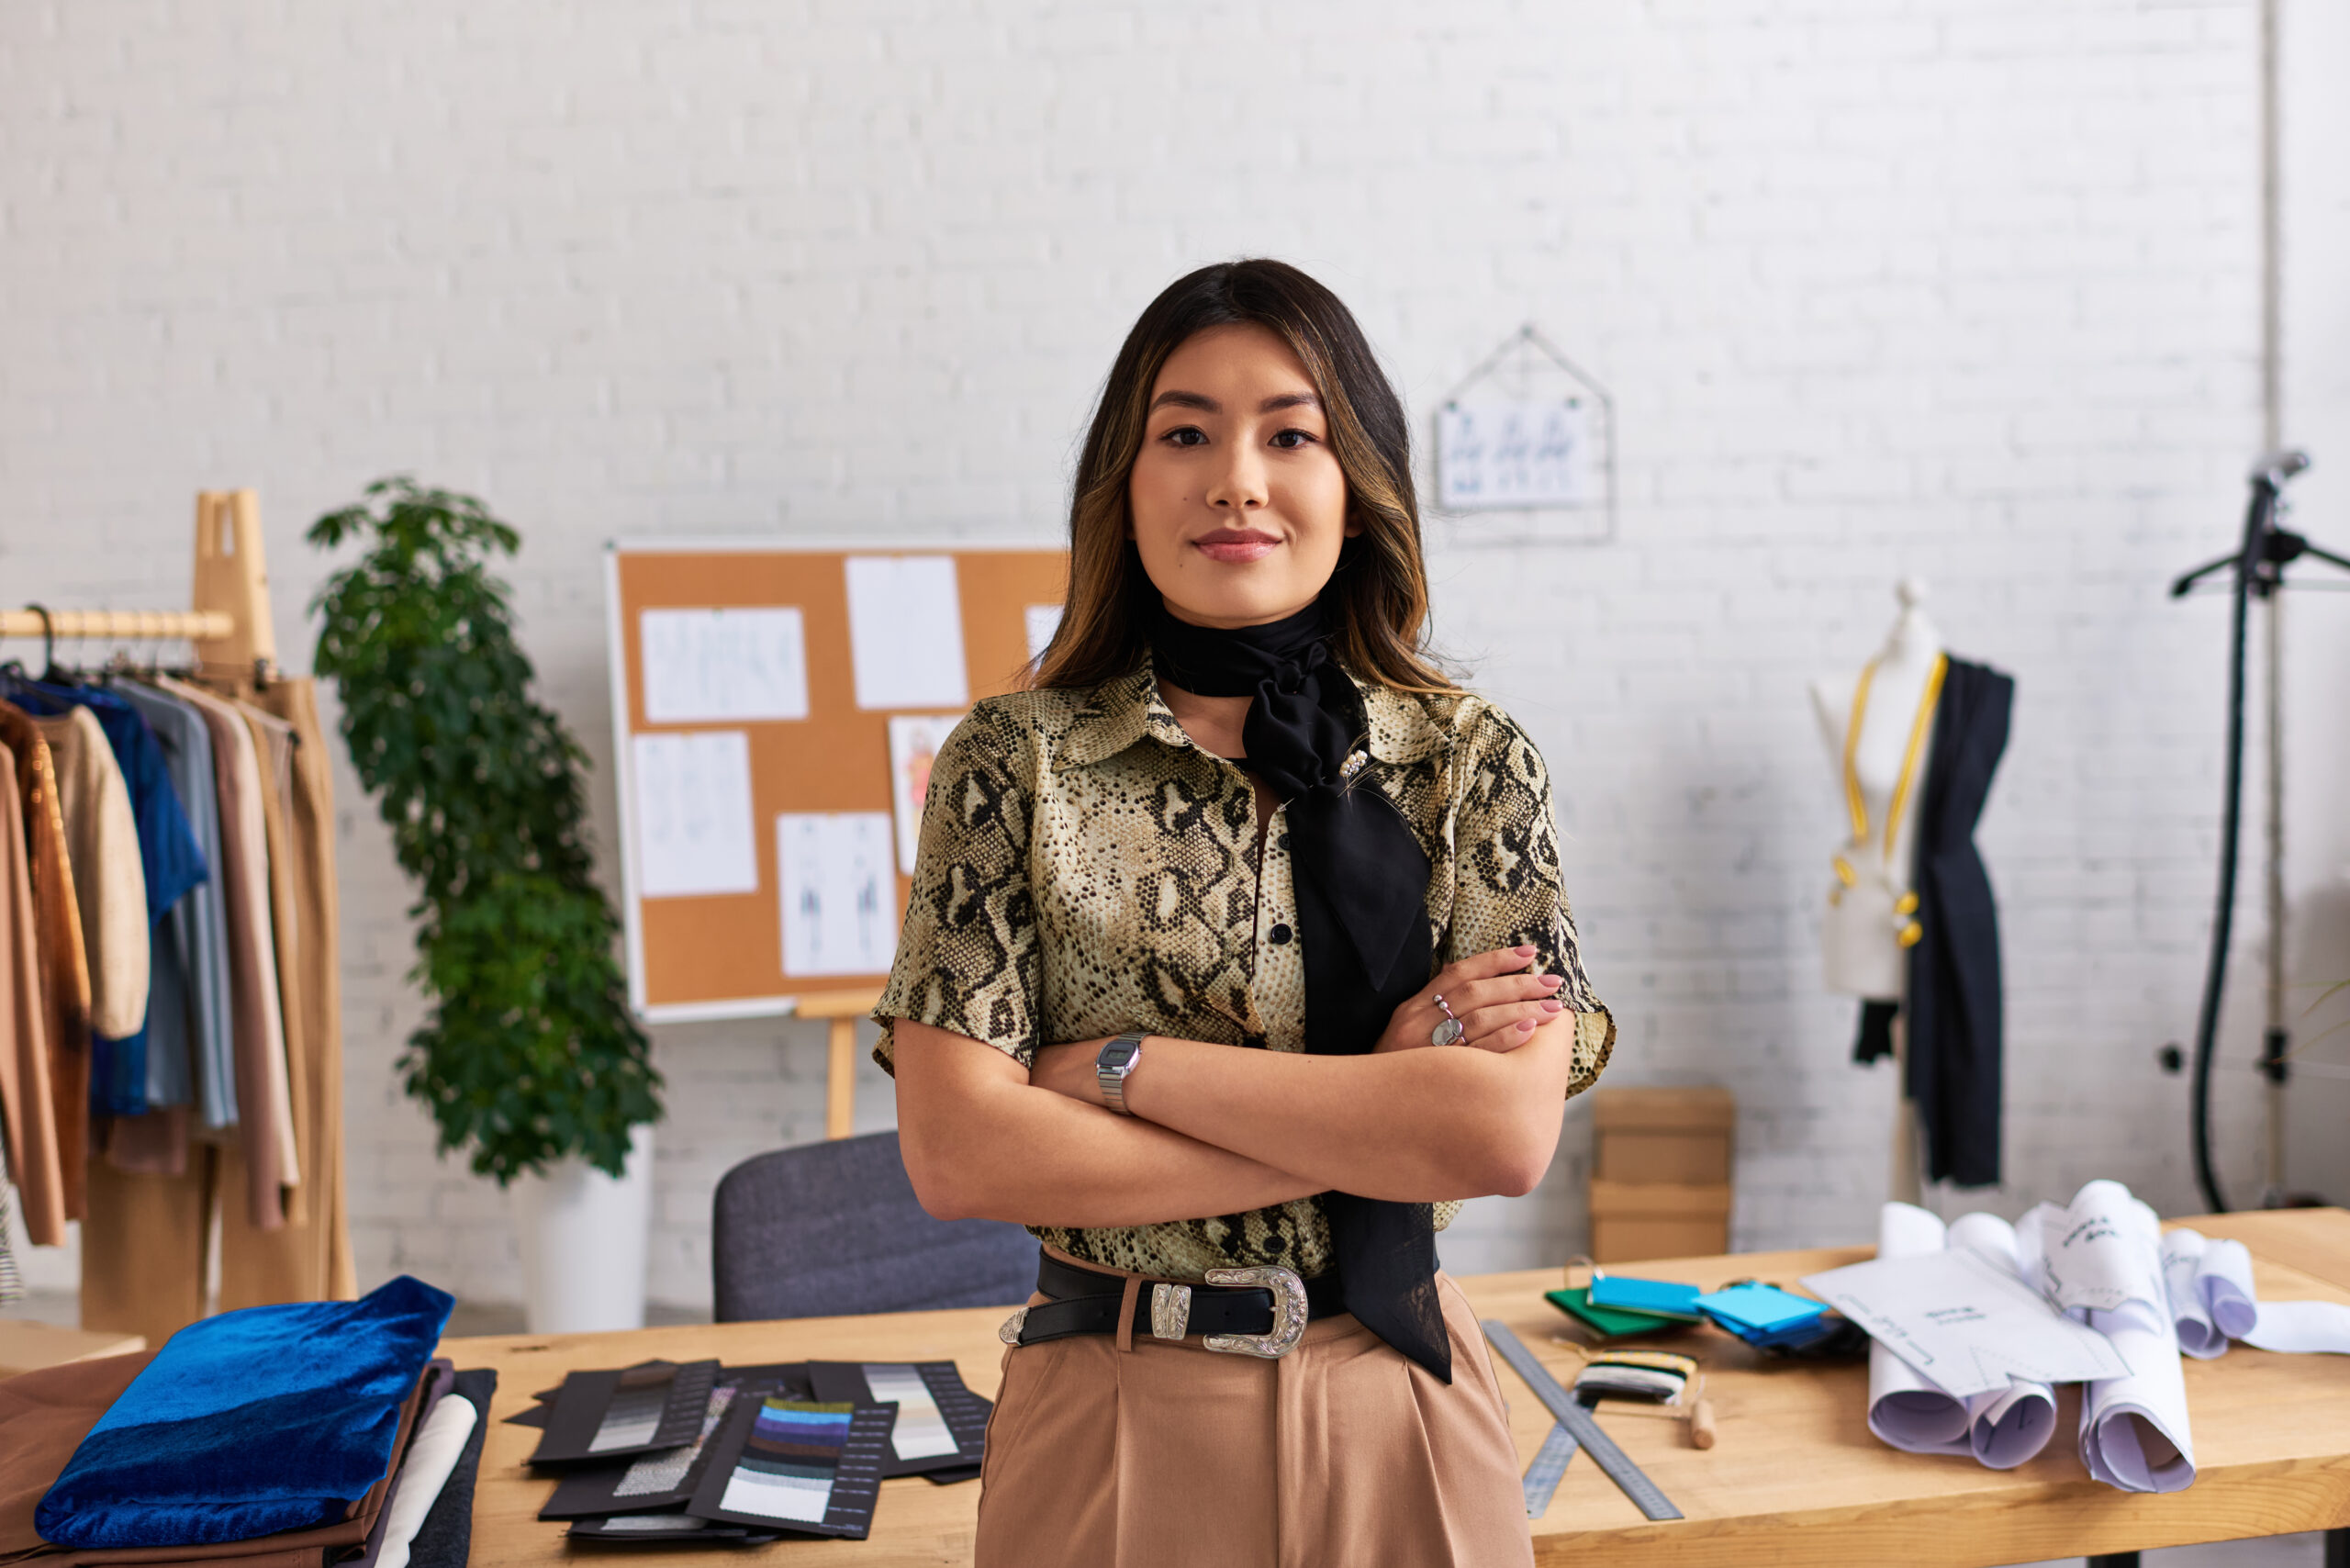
{"type": "Point", "coordinates": [1514, 454]}
{"type": "Point", "coordinates": [838, 902]}
{"type": "Point", "coordinates": [692, 796]}
{"type": "Point", "coordinates": [1968, 1325]}
{"type": "Point", "coordinates": [905, 631]}
{"type": "Point", "coordinates": [724, 665]}
{"type": "Point", "coordinates": [914, 740]}
{"type": "Point", "coordinates": [1044, 619]}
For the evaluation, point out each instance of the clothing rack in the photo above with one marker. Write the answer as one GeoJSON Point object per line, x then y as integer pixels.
{"type": "Point", "coordinates": [159, 1246]}
{"type": "Point", "coordinates": [229, 622]}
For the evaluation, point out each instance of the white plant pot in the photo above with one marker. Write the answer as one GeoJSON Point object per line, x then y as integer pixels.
{"type": "Point", "coordinates": [583, 1236]}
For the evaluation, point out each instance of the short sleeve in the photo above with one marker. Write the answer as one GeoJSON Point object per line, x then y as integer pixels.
{"type": "Point", "coordinates": [968, 959]}
{"type": "Point", "coordinates": [1506, 885]}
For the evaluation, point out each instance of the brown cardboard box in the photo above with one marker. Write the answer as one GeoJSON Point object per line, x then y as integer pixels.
{"type": "Point", "coordinates": [1661, 1186]}
{"type": "Point", "coordinates": [1631, 1221]}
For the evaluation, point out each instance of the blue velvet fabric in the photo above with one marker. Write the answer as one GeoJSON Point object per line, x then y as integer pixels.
{"type": "Point", "coordinates": [272, 1418]}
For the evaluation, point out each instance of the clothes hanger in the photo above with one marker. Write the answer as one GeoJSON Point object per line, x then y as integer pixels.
{"type": "Point", "coordinates": [2268, 549]}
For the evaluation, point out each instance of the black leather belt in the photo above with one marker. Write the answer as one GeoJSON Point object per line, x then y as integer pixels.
{"type": "Point", "coordinates": [1259, 1311]}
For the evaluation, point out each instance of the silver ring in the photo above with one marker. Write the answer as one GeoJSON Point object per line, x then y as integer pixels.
{"type": "Point", "coordinates": [1448, 1033]}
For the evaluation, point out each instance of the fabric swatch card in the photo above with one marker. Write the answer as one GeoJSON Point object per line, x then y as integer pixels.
{"type": "Point", "coordinates": [664, 1530]}
{"type": "Point", "coordinates": [667, 1478]}
{"type": "Point", "coordinates": [797, 1465]}
{"type": "Point", "coordinates": [608, 1414]}
{"type": "Point", "coordinates": [941, 1423]}
{"type": "Point", "coordinates": [647, 1483]}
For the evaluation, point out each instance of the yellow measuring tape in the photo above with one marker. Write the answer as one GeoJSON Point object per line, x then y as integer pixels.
{"type": "Point", "coordinates": [1918, 729]}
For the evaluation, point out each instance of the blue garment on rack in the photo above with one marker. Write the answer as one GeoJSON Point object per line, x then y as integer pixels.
{"type": "Point", "coordinates": [168, 853]}
{"type": "Point", "coordinates": [190, 1054]}
{"type": "Point", "coordinates": [272, 1418]}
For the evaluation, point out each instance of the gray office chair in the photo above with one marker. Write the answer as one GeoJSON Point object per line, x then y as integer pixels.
{"type": "Point", "coordinates": [834, 1228]}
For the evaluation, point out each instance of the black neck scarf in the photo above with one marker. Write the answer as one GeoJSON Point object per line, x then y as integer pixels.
{"type": "Point", "coordinates": [1362, 880]}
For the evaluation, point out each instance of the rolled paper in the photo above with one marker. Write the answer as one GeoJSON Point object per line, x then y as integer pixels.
{"type": "Point", "coordinates": [1905, 1408]}
{"type": "Point", "coordinates": [2134, 1430]}
{"type": "Point", "coordinates": [2007, 1427]}
{"type": "Point", "coordinates": [2183, 1254]}
{"type": "Point", "coordinates": [2224, 1284]}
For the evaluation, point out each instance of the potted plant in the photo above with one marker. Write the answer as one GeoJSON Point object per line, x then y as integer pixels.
{"type": "Point", "coordinates": [529, 1059]}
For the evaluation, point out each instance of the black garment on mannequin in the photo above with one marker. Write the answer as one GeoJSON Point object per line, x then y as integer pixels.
{"type": "Point", "coordinates": [1361, 885]}
{"type": "Point", "coordinates": [1954, 988]}
{"type": "Point", "coordinates": [1876, 1038]}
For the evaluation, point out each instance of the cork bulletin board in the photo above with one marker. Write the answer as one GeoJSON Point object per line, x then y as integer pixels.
{"type": "Point", "coordinates": [771, 705]}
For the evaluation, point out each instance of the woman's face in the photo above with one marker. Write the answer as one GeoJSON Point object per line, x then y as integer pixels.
{"type": "Point", "coordinates": [1237, 505]}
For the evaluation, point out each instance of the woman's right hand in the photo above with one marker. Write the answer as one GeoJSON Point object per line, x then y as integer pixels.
{"type": "Point", "coordinates": [1499, 1010]}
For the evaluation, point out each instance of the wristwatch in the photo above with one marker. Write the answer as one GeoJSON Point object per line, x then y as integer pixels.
{"type": "Point", "coordinates": [1110, 1068]}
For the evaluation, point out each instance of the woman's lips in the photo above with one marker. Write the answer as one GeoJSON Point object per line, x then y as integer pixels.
{"type": "Point", "coordinates": [1235, 545]}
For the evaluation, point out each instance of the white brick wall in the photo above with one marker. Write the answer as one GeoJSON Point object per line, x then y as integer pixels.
{"type": "Point", "coordinates": [1964, 290]}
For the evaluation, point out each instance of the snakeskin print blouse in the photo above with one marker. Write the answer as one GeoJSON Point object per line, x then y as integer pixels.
{"type": "Point", "coordinates": [1086, 868]}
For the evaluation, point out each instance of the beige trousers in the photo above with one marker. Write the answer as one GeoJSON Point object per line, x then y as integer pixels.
{"type": "Point", "coordinates": [1165, 1455]}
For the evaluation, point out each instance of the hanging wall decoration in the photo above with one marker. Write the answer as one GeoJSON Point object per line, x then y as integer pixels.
{"type": "Point", "coordinates": [1526, 449]}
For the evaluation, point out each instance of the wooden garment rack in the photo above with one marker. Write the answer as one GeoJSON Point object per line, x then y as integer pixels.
{"type": "Point", "coordinates": [230, 623]}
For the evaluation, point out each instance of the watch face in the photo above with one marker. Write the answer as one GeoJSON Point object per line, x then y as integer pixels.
{"type": "Point", "coordinates": [1118, 1053]}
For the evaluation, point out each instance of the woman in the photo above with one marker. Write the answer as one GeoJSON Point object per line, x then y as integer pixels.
{"type": "Point", "coordinates": [1240, 809]}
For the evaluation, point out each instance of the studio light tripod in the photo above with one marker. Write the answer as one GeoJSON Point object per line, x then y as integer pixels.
{"type": "Point", "coordinates": [2256, 570]}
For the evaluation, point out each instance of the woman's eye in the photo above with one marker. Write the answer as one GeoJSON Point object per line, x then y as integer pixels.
{"type": "Point", "coordinates": [1185, 435]}
{"type": "Point", "coordinates": [1290, 439]}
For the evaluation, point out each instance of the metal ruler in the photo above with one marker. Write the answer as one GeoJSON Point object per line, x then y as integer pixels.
{"type": "Point", "coordinates": [1550, 1464]}
{"type": "Point", "coordinates": [1578, 1426]}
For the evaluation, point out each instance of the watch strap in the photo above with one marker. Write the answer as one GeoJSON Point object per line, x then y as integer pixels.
{"type": "Point", "coordinates": [1112, 1078]}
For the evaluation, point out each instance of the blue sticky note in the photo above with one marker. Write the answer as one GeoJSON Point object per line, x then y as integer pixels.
{"type": "Point", "coordinates": [1662, 1296]}
{"type": "Point", "coordinates": [1758, 1309]}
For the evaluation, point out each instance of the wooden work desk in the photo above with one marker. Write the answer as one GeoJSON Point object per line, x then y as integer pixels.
{"type": "Point", "coordinates": [1795, 1478]}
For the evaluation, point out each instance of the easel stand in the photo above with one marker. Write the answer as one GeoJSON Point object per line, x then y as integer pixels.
{"type": "Point", "coordinates": [842, 1009]}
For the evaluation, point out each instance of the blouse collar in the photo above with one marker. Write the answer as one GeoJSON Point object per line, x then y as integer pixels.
{"type": "Point", "coordinates": [1122, 710]}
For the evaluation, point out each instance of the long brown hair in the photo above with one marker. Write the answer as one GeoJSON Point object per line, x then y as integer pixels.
{"type": "Point", "coordinates": [1378, 598]}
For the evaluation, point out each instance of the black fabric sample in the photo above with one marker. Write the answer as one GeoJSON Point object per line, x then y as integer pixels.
{"type": "Point", "coordinates": [445, 1538]}
{"type": "Point", "coordinates": [1361, 881]}
{"type": "Point", "coordinates": [1955, 987]}
{"type": "Point", "coordinates": [1876, 1038]}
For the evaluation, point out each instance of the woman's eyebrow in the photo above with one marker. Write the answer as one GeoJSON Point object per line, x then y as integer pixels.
{"type": "Point", "coordinates": [1178, 399]}
{"type": "Point", "coordinates": [1289, 401]}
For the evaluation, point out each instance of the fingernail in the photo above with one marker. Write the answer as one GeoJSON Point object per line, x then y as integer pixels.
{"type": "Point", "coordinates": [1524, 949]}
{"type": "Point", "coordinates": [1554, 982]}
{"type": "Point", "coordinates": [1553, 1006]}
{"type": "Point", "coordinates": [1525, 1025]}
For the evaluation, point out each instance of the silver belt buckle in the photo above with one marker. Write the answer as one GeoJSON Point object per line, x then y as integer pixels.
{"type": "Point", "coordinates": [1290, 1312]}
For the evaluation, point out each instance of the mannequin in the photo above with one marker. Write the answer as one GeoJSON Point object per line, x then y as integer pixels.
{"type": "Point", "coordinates": [1869, 924]}
{"type": "Point", "coordinates": [1862, 944]}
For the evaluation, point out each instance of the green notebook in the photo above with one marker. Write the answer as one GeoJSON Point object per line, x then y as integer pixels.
{"type": "Point", "coordinates": [1612, 1322]}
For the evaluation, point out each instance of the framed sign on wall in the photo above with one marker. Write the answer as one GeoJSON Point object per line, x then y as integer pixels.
{"type": "Point", "coordinates": [1526, 449]}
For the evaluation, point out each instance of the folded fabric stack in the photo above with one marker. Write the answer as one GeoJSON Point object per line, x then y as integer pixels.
{"type": "Point", "coordinates": [278, 1437]}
